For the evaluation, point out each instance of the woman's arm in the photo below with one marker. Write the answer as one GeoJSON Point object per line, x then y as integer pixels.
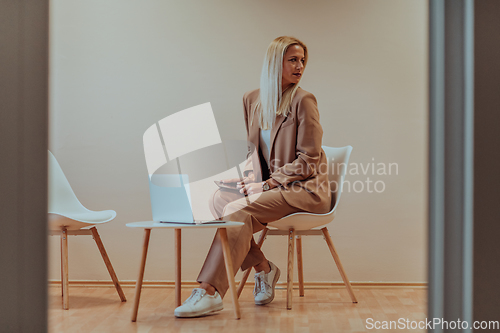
{"type": "Point", "coordinates": [308, 148]}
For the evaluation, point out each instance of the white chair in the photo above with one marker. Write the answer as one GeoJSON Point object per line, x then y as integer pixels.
{"type": "Point", "coordinates": [67, 216]}
{"type": "Point", "coordinates": [302, 224]}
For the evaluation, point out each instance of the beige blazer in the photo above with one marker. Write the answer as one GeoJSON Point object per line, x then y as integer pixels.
{"type": "Point", "coordinates": [297, 160]}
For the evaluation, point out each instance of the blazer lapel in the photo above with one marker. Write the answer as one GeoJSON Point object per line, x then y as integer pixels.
{"type": "Point", "coordinates": [254, 130]}
{"type": "Point", "coordinates": [277, 124]}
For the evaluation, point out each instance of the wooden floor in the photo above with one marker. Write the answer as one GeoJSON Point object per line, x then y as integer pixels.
{"type": "Point", "coordinates": [98, 309]}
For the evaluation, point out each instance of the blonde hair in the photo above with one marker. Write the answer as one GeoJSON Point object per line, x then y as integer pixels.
{"type": "Point", "coordinates": [271, 101]}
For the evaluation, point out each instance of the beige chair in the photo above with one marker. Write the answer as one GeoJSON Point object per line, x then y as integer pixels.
{"type": "Point", "coordinates": [67, 216]}
{"type": "Point", "coordinates": [306, 224]}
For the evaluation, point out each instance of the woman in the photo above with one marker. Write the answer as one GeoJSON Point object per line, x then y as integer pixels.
{"type": "Point", "coordinates": [282, 122]}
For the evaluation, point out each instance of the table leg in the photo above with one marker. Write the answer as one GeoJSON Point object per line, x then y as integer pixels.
{"type": "Point", "coordinates": [178, 267]}
{"type": "Point", "coordinates": [138, 285]}
{"type": "Point", "coordinates": [229, 271]}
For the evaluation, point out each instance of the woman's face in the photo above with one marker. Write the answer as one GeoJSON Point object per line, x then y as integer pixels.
{"type": "Point", "coordinates": [293, 65]}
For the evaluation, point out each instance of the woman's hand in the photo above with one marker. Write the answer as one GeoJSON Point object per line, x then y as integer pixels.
{"type": "Point", "coordinates": [250, 178]}
{"type": "Point", "coordinates": [247, 185]}
{"type": "Point", "coordinates": [250, 188]}
{"type": "Point", "coordinates": [258, 187]}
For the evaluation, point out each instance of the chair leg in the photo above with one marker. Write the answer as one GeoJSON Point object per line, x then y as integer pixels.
{"type": "Point", "coordinates": [299, 266]}
{"type": "Point", "coordinates": [64, 268]}
{"type": "Point", "coordinates": [247, 272]}
{"type": "Point", "coordinates": [289, 276]}
{"type": "Point", "coordinates": [138, 285]}
{"type": "Point", "coordinates": [107, 262]}
{"type": "Point", "coordinates": [229, 270]}
{"type": "Point", "coordinates": [335, 256]}
{"type": "Point", "coordinates": [178, 266]}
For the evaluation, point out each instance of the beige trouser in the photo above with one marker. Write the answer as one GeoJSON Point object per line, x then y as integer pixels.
{"type": "Point", "coordinates": [255, 212]}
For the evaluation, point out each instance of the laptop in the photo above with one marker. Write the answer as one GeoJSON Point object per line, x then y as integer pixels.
{"type": "Point", "coordinates": [171, 199]}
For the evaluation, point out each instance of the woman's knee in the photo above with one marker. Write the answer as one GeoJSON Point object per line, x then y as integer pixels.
{"type": "Point", "coordinates": [238, 210]}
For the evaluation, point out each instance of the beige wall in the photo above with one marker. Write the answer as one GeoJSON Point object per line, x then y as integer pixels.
{"type": "Point", "coordinates": [119, 66]}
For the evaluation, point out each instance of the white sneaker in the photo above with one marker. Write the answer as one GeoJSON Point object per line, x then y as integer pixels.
{"type": "Point", "coordinates": [263, 291]}
{"type": "Point", "coordinates": [199, 303]}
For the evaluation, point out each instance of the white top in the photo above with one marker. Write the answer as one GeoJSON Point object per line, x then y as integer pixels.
{"type": "Point", "coordinates": [265, 144]}
{"type": "Point", "coordinates": [154, 224]}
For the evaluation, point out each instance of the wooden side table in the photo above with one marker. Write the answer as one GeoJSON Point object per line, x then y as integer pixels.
{"type": "Point", "coordinates": [149, 225]}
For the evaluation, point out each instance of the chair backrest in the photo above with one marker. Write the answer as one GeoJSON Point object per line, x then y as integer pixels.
{"type": "Point", "coordinates": [61, 195]}
{"type": "Point", "coordinates": [338, 161]}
